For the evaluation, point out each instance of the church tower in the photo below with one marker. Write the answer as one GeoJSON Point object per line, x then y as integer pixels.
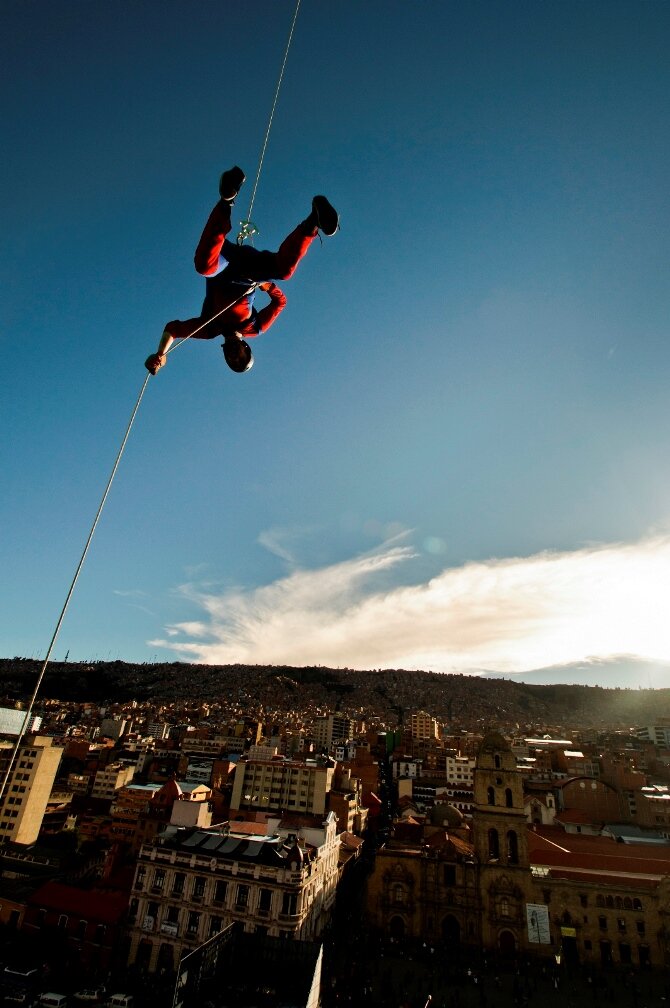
{"type": "Point", "coordinates": [501, 845]}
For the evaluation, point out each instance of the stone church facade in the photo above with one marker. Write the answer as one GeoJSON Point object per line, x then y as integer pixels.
{"type": "Point", "coordinates": [494, 882]}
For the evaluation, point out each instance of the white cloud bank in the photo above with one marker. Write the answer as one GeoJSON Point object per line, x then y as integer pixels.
{"type": "Point", "coordinates": [505, 615]}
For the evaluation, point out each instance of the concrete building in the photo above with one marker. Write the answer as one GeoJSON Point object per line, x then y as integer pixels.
{"type": "Point", "coordinates": [423, 726]}
{"type": "Point", "coordinates": [331, 729]}
{"type": "Point", "coordinates": [26, 796]}
{"type": "Point", "coordinates": [658, 733]}
{"type": "Point", "coordinates": [109, 779]}
{"type": "Point", "coordinates": [281, 784]}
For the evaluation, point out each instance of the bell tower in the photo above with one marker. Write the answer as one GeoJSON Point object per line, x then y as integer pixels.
{"type": "Point", "coordinates": [499, 819]}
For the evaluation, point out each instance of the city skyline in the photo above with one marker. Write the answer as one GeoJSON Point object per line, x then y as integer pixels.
{"type": "Point", "coordinates": [451, 451]}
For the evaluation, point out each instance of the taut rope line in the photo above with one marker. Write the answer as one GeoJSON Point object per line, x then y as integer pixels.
{"type": "Point", "coordinates": [15, 750]}
{"type": "Point", "coordinates": [272, 112]}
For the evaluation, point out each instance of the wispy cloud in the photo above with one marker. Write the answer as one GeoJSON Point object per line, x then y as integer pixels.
{"type": "Point", "coordinates": [507, 615]}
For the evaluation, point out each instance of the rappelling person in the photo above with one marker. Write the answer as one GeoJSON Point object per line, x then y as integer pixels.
{"type": "Point", "coordinates": [234, 271]}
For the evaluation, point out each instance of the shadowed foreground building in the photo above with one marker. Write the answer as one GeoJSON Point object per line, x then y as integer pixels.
{"type": "Point", "coordinates": [498, 883]}
{"type": "Point", "coordinates": [191, 883]}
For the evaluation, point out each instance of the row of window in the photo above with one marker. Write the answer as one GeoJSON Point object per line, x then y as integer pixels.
{"type": "Point", "coordinates": [174, 915]}
{"type": "Point", "coordinates": [611, 902]}
{"type": "Point", "coordinates": [220, 893]}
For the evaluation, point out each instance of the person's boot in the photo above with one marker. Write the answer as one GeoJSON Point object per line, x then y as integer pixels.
{"type": "Point", "coordinates": [230, 183]}
{"type": "Point", "coordinates": [324, 216]}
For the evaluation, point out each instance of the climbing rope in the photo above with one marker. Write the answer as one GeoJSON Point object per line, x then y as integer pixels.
{"type": "Point", "coordinates": [248, 229]}
{"type": "Point", "coordinates": [250, 289]}
{"type": "Point", "coordinates": [26, 720]}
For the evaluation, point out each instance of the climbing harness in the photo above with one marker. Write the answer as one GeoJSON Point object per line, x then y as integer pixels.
{"type": "Point", "coordinates": [247, 230]}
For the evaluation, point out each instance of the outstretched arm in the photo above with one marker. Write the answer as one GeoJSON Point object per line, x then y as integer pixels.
{"type": "Point", "coordinates": [155, 361]}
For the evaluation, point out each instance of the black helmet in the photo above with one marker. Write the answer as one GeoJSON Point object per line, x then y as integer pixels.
{"type": "Point", "coordinates": [237, 352]}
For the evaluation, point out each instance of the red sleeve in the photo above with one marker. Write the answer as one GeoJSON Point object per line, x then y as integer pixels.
{"type": "Point", "coordinates": [218, 225]}
{"type": "Point", "coordinates": [266, 316]}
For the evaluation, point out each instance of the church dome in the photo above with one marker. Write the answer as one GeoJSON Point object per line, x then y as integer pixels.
{"type": "Point", "coordinates": [446, 815]}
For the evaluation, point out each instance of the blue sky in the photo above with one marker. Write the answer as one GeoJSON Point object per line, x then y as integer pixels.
{"type": "Point", "coordinates": [453, 449]}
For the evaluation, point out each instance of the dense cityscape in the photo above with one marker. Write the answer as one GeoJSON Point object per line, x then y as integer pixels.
{"type": "Point", "coordinates": [324, 837]}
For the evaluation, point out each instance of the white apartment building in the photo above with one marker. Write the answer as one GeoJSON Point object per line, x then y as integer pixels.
{"type": "Point", "coordinates": [460, 770]}
{"type": "Point", "coordinates": [109, 779]}
{"type": "Point", "coordinates": [659, 734]}
{"type": "Point", "coordinates": [282, 784]}
{"type": "Point", "coordinates": [331, 729]}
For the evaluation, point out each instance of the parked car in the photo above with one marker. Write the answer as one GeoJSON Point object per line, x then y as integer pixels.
{"type": "Point", "coordinates": [91, 995]}
{"type": "Point", "coordinates": [50, 999]}
{"type": "Point", "coordinates": [20, 974]}
{"type": "Point", "coordinates": [19, 996]}
{"type": "Point", "coordinates": [121, 1001]}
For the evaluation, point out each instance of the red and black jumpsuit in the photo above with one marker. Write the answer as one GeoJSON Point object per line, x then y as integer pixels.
{"type": "Point", "coordinates": [230, 269]}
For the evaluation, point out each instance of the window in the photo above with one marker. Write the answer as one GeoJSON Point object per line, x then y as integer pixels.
{"type": "Point", "coordinates": [199, 888]}
{"type": "Point", "coordinates": [242, 898]}
{"type": "Point", "coordinates": [100, 934]}
{"type": "Point", "coordinates": [583, 899]}
{"type": "Point", "coordinates": [602, 923]}
{"type": "Point", "coordinates": [289, 904]}
{"type": "Point", "coordinates": [178, 884]}
{"type": "Point", "coordinates": [494, 845]}
{"type": "Point", "coordinates": [600, 901]}
{"type": "Point", "coordinates": [81, 929]}
{"type": "Point", "coordinates": [508, 797]}
{"type": "Point", "coordinates": [512, 847]}
{"type": "Point", "coordinates": [640, 927]}
{"type": "Point", "coordinates": [62, 922]}
{"type": "Point", "coordinates": [490, 796]}
{"type": "Point", "coordinates": [449, 875]}
{"type": "Point", "coordinates": [621, 923]}
{"type": "Point", "coordinates": [159, 879]}
{"type": "Point", "coordinates": [637, 905]}
{"type": "Point", "coordinates": [264, 902]}
{"type": "Point", "coordinates": [215, 925]}
{"type": "Point", "coordinates": [193, 922]}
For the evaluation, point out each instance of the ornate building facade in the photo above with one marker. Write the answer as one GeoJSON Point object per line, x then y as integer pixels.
{"type": "Point", "coordinates": [191, 883]}
{"type": "Point", "coordinates": [501, 883]}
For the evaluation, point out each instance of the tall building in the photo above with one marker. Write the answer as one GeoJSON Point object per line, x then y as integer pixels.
{"type": "Point", "coordinates": [331, 729]}
{"type": "Point", "coordinates": [281, 784]}
{"type": "Point", "coordinates": [423, 726]}
{"type": "Point", "coordinates": [109, 779]}
{"type": "Point", "coordinates": [28, 788]}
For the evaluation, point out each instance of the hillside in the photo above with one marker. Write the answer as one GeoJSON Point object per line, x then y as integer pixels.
{"type": "Point", "coordinates": [466, 701]}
